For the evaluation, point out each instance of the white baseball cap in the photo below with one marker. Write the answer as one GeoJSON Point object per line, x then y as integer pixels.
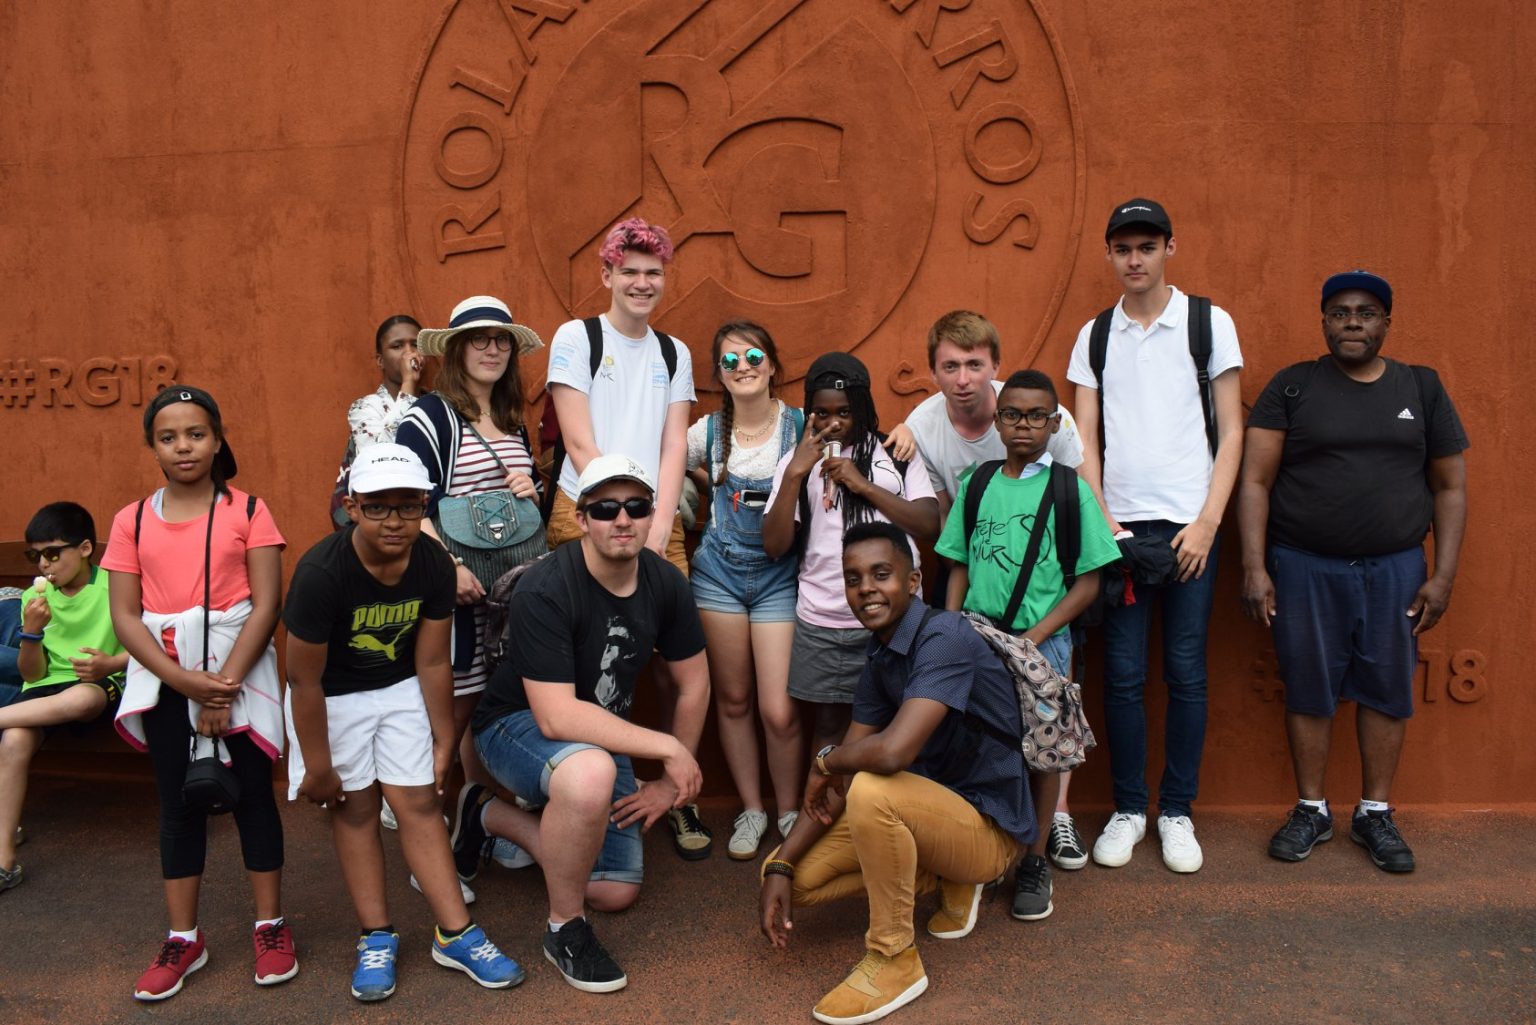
{"type": "Point", "coordinates": [386, 467]}
{"type": "Point", "coordinates": [610, 468]}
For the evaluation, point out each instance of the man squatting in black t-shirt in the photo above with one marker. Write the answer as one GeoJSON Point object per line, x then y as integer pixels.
{"type": "Point", "coordinates": [553, 726]}
{"type": "Point", "coordinates": [1350, 459]}
{"type": "Point", "coordinates": [370, 692]}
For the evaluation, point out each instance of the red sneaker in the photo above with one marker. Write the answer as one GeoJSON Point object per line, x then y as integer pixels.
{"type": "Point", "coordinates": [275, 958]}
{"type": "Point", "coordinates": [177, 959]}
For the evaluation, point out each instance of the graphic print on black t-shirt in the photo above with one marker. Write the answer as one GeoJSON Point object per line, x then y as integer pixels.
{"type": "Point", "coordinates": [378, 629]}
{"type": "Point", "coordinates": [618, 646]}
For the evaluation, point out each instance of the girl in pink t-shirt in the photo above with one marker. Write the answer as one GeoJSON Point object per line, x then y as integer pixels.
{"type": "Point", "coordinates": [197, 548]}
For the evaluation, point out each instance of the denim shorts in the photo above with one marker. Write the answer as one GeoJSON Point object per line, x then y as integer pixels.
{"type": "Point", "coordinates": [522, 759]}
{"type": "Point", "coordinates": [1340, 630]}
{"type": "Point", "coordinates": [1057, 650]}
{"type": "Point", "coordinates": [763, 591]}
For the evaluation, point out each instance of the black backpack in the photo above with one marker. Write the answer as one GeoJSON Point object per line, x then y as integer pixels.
{"type": "Point", "coordinates": [1199, 325]}
{"type": "Point", "coordinates": [1060, 498]}
{"type": "Point", "coordinates": [549, 426]}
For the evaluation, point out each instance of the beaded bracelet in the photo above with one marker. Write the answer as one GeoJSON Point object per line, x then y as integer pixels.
{"type": "Point", "coordinates": [779, 868]}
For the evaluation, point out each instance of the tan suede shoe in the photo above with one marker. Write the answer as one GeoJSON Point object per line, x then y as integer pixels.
{"type": "Point", "coordinates": [956, 916]}
{"type": "Point", "coordinates": [877, 986]}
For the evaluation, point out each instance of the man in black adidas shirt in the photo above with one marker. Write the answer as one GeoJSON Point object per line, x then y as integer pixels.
{"type": "Point", "coordinates": [1350, 460]}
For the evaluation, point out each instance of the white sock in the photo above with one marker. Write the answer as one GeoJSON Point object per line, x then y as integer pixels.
{"type": "Point", "coordinates": [267, 921]}
{"type": "Point", "coordinates": [555, 926]}
{"type": "Point", "coordinates": [1061, 816]}
{"type": "Point", "coordinates": [190, 935]}
{"type": "Point", "coordinates": [1321, 807]}
{"type": "Point", "coordinates": [1370, 806]}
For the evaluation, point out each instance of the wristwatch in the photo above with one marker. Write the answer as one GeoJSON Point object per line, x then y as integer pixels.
{"type": "Point", "coordinates": [821, 759]}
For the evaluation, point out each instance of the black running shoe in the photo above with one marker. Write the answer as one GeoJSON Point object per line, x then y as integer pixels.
{"type": "Point", "coordinates": [1377, 833]}
{"type": "Point", "coordinates": [574, 950]}
{"type": "Point", "coordinates": [1032, 889]}
{"type": "Point", "coordinates": [1301, 832]}
{"type": "Point", "coordinates": [469, 838]}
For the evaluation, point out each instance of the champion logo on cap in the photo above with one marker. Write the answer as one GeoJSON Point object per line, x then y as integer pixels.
{"type": "Point", "coordinates": [1129, 209]}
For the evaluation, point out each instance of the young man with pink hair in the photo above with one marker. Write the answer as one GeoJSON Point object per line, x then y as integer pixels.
{"type": "Point", "coordinates": [636, 403]}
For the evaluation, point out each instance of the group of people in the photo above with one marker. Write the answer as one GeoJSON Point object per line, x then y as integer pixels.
{"type": "Point", "coordinates": [451, 619]}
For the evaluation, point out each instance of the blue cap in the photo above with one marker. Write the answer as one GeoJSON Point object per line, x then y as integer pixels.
{"type": "Point", "coordinates": [1363, 280]}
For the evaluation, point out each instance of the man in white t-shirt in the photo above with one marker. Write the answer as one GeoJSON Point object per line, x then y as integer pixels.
{"type": "Point", "coordinates": [630, 407]}
{"type": "Point", "coordinates": [1165, 475]}
{"type": "Point", "coordinates": [957, 428]}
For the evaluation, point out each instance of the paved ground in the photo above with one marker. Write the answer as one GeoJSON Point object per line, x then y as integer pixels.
{"type": "Point", "coordinates": [1245, 940]}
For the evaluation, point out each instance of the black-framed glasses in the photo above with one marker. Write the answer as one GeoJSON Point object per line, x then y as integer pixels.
{"type": "Point", "coordinates": [482, 340]}
{"type": "Point", "coordinates": [731, 361]}
{"type": "Point", "coordinates": [1035, 417]}
{"type": "Point", "coordinates": [1366, 315]}
{"type": "Point", "coordinates": [381, 510]}
{"type": "Point", "coordinates": [49, 554]}
{"type": "Point", "coordinates": [608, 508]}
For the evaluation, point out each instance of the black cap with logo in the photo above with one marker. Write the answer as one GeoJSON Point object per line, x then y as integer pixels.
{"type": "Point", "coordinates": [1147, 212]}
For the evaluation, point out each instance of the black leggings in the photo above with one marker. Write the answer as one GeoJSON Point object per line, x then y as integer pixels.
{"type": "Point", "coordinates": [183, 831]}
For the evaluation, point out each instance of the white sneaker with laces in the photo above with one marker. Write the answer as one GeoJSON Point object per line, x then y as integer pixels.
{"type": "Point", "coordinates": [787, 822]}
{"type": "Point", "coordinates": [1121, 834]}
{"type": "Point", "coordinates": [464, 890]}
{"type": "Point", "coordinates": [1181, 851]}
{"type": "Point", "coordinates": [747, 834]}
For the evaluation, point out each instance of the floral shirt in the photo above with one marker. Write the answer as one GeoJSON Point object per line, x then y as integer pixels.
{"type": "Point", "coordinates": [374, 418]}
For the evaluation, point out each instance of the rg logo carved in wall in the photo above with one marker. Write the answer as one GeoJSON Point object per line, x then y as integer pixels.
{"type": "Point", "coordinates": [840, 171]}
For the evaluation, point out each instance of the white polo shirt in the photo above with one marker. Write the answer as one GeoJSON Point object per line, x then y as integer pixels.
{"type": "Point", "coordinates": [1157, 461]}
{"type": "Point", "coordinates": [948, 455]}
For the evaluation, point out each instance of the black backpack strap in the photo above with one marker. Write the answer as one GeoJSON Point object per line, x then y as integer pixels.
{"type": "Point", "coordinates": [1199, 327]}
{"type": "Point", "coordinates": [250, 507]}
{"type": "Point", "coordinates": [1069, 538]}
{"type": "Point", "coordinates": [974, 487]}
{"type": "Point", "coordinates": [900, 464]}
{"type": "Point", "coordinates": [1031, 556]}
{"type": "Point", "coordinates": [1098, 353]}
{"type": "Point", "coordinates": [594, 328]}
{"type": "Point", "coordinates": [668, 355]}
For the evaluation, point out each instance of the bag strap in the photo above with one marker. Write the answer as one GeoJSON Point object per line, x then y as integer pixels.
{"type": "Point", "coordinates": [668, 355]}
{"type": "Point", "coordinates": [1199, 327]}
{"type": "Point", "coordinates": [208, 567]}
{"type": "Point", "coordinates": [1031, 554]}
{"type": "Point", "coordinates": [980, 478]}
{"type": "Point", "coordinates": [1069, 538]}
{"type": "Point", "coordinates": [594, 328]}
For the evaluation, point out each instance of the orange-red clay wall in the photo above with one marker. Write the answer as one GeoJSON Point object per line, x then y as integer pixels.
{"type": "Point", "coordinates": [234, 195]}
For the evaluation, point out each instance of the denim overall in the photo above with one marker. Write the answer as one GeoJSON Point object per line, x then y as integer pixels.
{"type": "Point", "coordinates": [731, 553]}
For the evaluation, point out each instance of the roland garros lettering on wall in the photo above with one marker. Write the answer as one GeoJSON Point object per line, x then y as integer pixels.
{"type": "Point", "coordinates": [99, 381]}
{"type": "Point", "coordinates": [818, 162]}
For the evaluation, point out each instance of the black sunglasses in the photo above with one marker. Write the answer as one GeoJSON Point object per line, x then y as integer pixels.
{"type": "Point", "coordinates": [608, 508]}
{"type": "Point", "coordinates": [51, 553]}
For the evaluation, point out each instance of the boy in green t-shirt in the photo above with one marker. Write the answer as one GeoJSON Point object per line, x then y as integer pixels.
{"type": "Point", "coordinates": [66, 641]}
{"type": "Point", "coordinates": [987, 565]}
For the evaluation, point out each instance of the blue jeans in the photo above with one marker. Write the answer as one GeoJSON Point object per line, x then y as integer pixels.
{"type": "Point", "coordinates": [1186, 618]}
{"type": "Point", "coordinates": [10, 650]}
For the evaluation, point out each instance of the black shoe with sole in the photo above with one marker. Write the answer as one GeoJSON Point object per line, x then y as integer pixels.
{"type": "Point", "coordinates": [575, 950]}
{"type": "Point", "coordinates": [1377, 833]}
{"type": "Point", "coordinates": [1065, 844]}
{"type": "Point", "coordinates": [690, 837]}
{"type": "Point", "coordinates": [1032, 889]}
{"type": "Point", "coordinates": [469, 838]}
{"type": "Point", "coordinates": [1302, 831]}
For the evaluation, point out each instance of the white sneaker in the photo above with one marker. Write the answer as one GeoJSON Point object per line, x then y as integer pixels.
{"type": "Point", "coordinates": [509, 855]}
{"type": "Point", "coordinates": [387, 816]}
{"type": "Point", "coordinates": [787, 822]}
{"type": "Point", "coordinates": [747, 835]}
{"type": "Point", "coordinates": [1181, 851]}
{"type": "Point", "coordinates": [1121, 833]}
{"type": "Point", "coordinates": [468, 894]}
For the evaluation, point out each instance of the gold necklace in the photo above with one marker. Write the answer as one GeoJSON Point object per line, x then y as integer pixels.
{"type": "Point", "coordinates": [744, 436]}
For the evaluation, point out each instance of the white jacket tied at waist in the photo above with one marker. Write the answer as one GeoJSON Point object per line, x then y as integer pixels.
{"type": "Point", "coordinates": [257, 709]}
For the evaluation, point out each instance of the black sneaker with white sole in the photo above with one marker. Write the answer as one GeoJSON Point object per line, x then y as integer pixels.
{"type": "Point", "coordinates": [1065, 844]}
{"type": "Point", "coordinates": [691, 838]}
{"type": "Point", "coordinates": [1032, 889]}
{"type": "Point", "coordinates": [584, 962]}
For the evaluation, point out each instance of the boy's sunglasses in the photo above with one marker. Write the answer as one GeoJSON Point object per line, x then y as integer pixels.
{"type": "Point", "coordinates": [50, 554]}
{"type": "Point", "coordinates": [731, 361]}
{"type": "Point", "coordinates": [608, 508]}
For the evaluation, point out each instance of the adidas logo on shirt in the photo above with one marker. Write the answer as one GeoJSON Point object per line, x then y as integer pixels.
{"type": "Point", "coordinates": [1405, 414]}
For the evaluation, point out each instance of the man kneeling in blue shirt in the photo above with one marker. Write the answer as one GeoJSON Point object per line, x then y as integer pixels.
{"type": "Point", "coordinates": [918, 795]}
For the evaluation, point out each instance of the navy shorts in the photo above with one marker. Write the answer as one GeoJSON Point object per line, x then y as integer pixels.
{"type": "Point", "coordinates": [1341, 630]}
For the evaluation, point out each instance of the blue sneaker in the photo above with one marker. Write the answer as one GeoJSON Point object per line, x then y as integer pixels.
{"type": "Point", "coordinates": [374, 976]}
{"type": "Point", "coordinates": [477, 957]}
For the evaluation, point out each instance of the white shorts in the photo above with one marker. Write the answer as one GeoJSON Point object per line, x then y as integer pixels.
{"type": "Point", "coordinates": [376, 735]}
